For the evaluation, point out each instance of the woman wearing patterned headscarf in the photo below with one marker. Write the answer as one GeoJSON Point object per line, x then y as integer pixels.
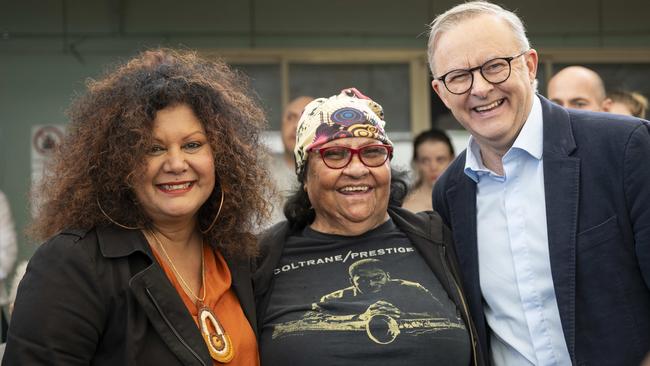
{"type": "Point", "coordinates": [351, 278]}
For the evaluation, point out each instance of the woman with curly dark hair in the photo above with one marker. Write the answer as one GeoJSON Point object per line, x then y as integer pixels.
{"type": "Point", "coordinates": [150, 208]}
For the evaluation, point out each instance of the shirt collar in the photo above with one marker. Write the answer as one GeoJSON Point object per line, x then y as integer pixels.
{"type": "Point", "coordinates": [531, 136]}
{"type": "Point", "coordinates": [530, 139]}
{"type": "Point", "coordinates": [473, 163]}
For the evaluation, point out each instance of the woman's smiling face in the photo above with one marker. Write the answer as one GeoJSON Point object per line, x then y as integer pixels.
{"type": "Point", "coordinates": [354, 196]}
{"type": "Point", "coordinates": [179, 175]}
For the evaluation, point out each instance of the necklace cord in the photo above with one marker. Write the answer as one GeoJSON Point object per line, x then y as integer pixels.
{"type": "Point", "coordinates": [220, 346]}
{"type": "Point", "coordinates": [184, 284]}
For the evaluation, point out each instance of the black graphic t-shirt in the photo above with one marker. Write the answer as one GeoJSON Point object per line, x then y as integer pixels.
{"type": "Point", "coordinates": [363, 300]}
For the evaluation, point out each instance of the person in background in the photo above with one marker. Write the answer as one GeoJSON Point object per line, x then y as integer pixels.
{"type": "Point", "coordinates": [549, 207]}
{"type": "Point", "coordinates": [282, 165]}
{"type": "Point", "coordinates": [149, 209]}
{"type": "Point", "coordinates": [290, 117]}
{"type": "Point", "coordinates": [578, 87]}
{"type": "Point", "coordinates": [628, 103]}
{"type": "Point", "coordinates": [8, 252]}
{"type": "Point", "coordinates": [19, 273]}
{"type": "Point", "coordinates": [432, 153]}
{"type": "Point", "coordinates": [386, 278]}
{"type": "Point", "coordinates": [8, 247]}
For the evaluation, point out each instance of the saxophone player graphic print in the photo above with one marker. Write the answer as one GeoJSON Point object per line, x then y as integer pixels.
{"type": "Point", "coordinates": [385, 307]}
{"type": "Point", "coordinates": [380, 295]}
{"type": "Point", "coordinates": [349, 279]}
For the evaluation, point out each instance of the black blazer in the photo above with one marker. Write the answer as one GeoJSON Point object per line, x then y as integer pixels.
{"type": "Point", "coordinates": [99, 297]}
{"type": "Point", "coordinates": [597, 188]}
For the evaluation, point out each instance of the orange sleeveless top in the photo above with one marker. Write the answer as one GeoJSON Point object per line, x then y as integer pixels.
{"type": "Point", "coordinates": [224, 303]}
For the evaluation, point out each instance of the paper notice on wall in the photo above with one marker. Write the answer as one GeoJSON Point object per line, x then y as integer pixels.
{"type": "Point", "coordinates": [45, 141]}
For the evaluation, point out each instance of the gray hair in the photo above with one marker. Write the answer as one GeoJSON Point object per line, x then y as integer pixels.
{"type": "Point", "coordinates": [459, 13]}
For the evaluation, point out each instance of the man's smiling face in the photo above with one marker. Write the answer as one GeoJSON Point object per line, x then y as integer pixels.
{"type": "Point", "coordinates": [492, 113]}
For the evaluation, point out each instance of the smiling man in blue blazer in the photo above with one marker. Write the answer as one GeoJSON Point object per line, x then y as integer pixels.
{"type": "Point", "coordinates": [549, 207]}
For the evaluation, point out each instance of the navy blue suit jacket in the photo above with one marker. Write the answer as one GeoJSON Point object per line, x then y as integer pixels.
{"type": "Point", "coordinates": [597, 188]}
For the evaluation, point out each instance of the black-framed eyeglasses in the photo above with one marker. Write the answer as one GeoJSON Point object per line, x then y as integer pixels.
{"type": "Point", "coordinates": [338, 157]}
{"type": "Point", "coordinates": [494, 71]}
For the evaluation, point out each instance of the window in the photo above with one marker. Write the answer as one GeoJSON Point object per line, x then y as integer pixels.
{"type": "Point", "coordinates": [396, 79]}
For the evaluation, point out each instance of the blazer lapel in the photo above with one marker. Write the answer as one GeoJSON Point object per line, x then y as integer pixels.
{"type": "Point", "coordinates": [462, 212]}
{"type": "Point", "coordinates": [561, 188]}
{"type": "Point", "coordinates": [169, 316]}
{"type": "Point", "coordinates": [461, 198]}
{"type": "Point", "coordinates": [158, 298]}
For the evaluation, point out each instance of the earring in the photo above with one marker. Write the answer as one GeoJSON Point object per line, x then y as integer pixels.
{"type": "Point", "coordinates": [215, 218]}
{"type": "Point", "coordinates": [113, 221]}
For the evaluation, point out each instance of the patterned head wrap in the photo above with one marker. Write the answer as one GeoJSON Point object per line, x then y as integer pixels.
{"type": "Point", "coordinates": [349, 114]}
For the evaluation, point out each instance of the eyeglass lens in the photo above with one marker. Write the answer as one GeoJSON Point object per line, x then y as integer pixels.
{"type": "Point", "coordinates": [337, 157]}
{"type": "Point", "coordinates": [494, 71]}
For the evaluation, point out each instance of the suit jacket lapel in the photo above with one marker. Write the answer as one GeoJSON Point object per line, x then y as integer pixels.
{"type": "Point", "coordinates": [462, 211]}
{"type": "Point", "coordinates": [561, 188]}
{"type": "Point", "coordinates": [461, 198]}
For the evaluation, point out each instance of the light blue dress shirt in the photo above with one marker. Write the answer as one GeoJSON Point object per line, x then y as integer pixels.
{"type": "Point", "coordinates": [514, 264]}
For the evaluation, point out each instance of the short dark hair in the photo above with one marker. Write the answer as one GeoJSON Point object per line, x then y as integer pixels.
{"type": "Point", "coordinates": [433, 134]}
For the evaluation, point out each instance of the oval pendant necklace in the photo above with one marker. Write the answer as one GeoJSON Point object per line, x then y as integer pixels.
{"type": "Point", "coordinates": [214, 335]}
{"type": "Point", "coordinates": [218, 342]}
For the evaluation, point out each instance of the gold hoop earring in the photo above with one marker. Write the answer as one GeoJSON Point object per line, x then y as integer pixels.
{"type": "Point", "coordinates": [215, 218]}
{"type": "Point", "coordinates": [113, 221]}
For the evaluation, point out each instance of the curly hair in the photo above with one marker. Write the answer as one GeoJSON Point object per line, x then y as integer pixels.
{"type": "Point", "coordinates": [111, 129]}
